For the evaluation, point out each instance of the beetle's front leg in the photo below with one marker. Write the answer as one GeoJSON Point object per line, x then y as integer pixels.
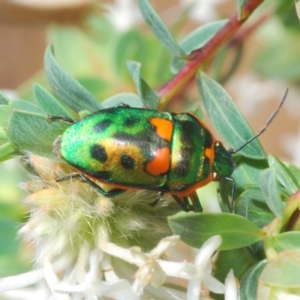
{"type": "Point", "coordinates": [63, 119]}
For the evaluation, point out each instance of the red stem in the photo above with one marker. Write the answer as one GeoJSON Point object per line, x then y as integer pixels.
{"type": "Point", "coordinates": [202, 56]}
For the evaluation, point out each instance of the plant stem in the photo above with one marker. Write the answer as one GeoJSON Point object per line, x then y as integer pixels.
{"type": "Point", "coordinates": [202, 56]}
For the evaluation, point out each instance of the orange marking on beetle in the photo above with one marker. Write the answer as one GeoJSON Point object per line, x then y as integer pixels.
{"type": "Point", "coordinates": [209, 153]}
{"type": "Point", "coordinates": [161, 162]}
{"type": "Point", "coordinates": [164, 128]}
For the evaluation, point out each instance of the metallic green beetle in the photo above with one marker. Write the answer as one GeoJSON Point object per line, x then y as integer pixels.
{"type": "Point", "coordinates": [134, 148]}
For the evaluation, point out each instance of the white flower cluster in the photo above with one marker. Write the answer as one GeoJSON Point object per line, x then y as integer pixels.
{"type": "Point", "coordinates": [93, 277]}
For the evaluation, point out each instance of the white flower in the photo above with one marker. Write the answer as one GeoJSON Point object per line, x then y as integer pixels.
{"type": "Point", "coordinates": [200, 271]}
{"type": "Point", "coordinates": [124, 14]}
{"type": "Point", "coordinates": [93, 275]}
{"type": "Point", "coordinates": [202, 10]}
{"type": "Point", "coordinates": [149, 272]}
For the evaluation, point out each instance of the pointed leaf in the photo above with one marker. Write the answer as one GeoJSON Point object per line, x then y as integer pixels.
{"type": "Point", "coordinates": [70, 91]}
{"type": "Point", "coordinates": [249, 281]}
{"type": "Point", "coordinates": [159, 28]}
{"type": "Point", "coordinates": [226, 118]}
{"type": "Point", "coordinates": [284, 175]}
{"type": "Point", "coordinates": [29, 130]}
{"type": "Point", "coordinates": [268, 186]}
{"type": "Point", "coordinates": [195, 228]}
{"type": "Point", "coordinates": [251, 205]}
{"type": "Point", "coordinates": [149, 97]}
{"type": "Point", "coordinates": [49, 103]}
{"type": "Point", "coordinates": [3, 98]}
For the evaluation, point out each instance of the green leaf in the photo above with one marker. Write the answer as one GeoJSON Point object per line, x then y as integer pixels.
{"type": "Point", "coordinates": [195, 228]}
{"type": "Point", "coordinates": [123, 98]}
{"type": "Point", "coordinates": [268, 186]}
{"type": "Point", "coordinates": [67, 88]}
{"type": "Point", "coordinates": [251, 205]}
{"type": "Point", "coordinates": [159, 28]}
{"type": "Point", "coordinates": [240, 260]}
{"type": "Point", "coordinates": [49, 103]}
{"type": "Point", "coordinates": [29, 130]}
{"type": "Point", "coordinates": [3, 98]}
{"type": "Point", "coordinates": [295, 171]}
{"type": "Point", "coordinates": [247, 171]}
{"type": "Point", "coordinates": [286, 241]}
{"type": "Point", "coordinates": [4, 115]}
{"type": "Point", "coordinates": [249, 281]}
{"type": "Point", "coordinates": [149, 97]}
{"type": "Point", "coordinates": [3, 135]}
{"type": "Point", "coordinates": [226, 118]}
{"type": "Point", "coordinates": [283, 271]}
{"type": "Point", "coordinates": [195, 40]}
{"type": "Point", "coordinates": [284, 175]}
{"type": "Point", "coordinates": [7, 151]}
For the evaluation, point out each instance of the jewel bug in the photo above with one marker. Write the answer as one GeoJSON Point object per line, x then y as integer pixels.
{"type": "Point", "coordinates": [134, 148]}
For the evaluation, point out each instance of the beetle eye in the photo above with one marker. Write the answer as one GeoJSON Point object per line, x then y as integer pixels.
{"type": "Point", "coordinates": [215, 176]}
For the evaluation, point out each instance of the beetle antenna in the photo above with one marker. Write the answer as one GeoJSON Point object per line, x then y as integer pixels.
{"type": "Point", "coordinates": [232, 151]}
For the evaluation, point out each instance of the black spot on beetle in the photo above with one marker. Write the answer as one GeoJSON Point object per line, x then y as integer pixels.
{"type": "Point", "coordinates": [127, 162]}
{"type": "Point", "coordinates": [131, 121]}
{"type": "Point", "coordinates": [98, 152]}
{"type": "Point", "coordinates": [102, 125]}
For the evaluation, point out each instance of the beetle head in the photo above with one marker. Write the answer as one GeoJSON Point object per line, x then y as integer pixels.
{"type": "Point", "coordinates": [223, 164]}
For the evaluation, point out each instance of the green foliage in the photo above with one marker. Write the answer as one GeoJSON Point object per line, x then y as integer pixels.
{"type": "Point", "coordinates": [149, 97]}
{"type": "Point", "coordinates": [195, 228]}
{"type": "Point", "coordinates": [226, 118]}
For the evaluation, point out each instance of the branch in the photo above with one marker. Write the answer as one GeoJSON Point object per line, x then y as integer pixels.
{"type": "Point", "coordinates": [202, 56]}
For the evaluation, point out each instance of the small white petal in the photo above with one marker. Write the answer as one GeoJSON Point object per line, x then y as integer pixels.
{"type": "Point", "coordinates": [119, 290]}
{"type": "Point", "coordinates": [165, 244]}
{"type": "Point", "coordinates": [231, 289]}
{"type": "Point", "coordinates": [133, 255]}
{"type": "Point", "coordinates": [213, 284]}
{"type": "Point", "coordinates": [22, 280]}
{"type": "Point", "coordinates": [173, 269]}
{"type": "Point", "coordinates": [193, 289]}
{"type": "Point", "coordinates": [207, 250]}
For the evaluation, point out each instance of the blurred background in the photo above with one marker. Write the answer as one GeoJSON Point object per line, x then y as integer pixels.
{"type": "Point", "coordinates": [94, 50]}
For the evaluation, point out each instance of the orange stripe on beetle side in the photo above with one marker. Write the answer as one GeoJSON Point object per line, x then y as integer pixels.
{"type": "Point", "coordinates": [164, 128]}
{"type": "Point", "coordinates": [161, 162]}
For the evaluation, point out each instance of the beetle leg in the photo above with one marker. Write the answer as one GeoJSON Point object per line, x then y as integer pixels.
{"type": "Point", "coordinates": [157, 199]}
{"type": "Point", "coordinates": [63, 119]}
{"type": "Point", "coordinates": [112, 193]}
{"type": "Point", "coordinates": [190, 203]}
{"type": "Point", "coordinates": [232, 192]}
{"type": "Point", "coordinates": [195, 202]}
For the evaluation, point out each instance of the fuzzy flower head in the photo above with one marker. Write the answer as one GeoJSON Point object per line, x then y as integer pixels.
{"type": "Point", "coordinates": [70, 215]}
